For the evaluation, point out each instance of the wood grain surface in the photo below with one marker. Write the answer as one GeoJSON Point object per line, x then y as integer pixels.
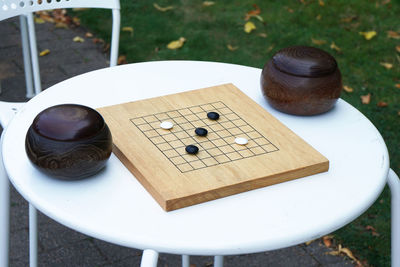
{"type": "Point", "coordinates": [175, 179]}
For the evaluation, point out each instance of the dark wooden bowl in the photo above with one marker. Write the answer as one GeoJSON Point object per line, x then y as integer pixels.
{"type": "Point", "coordinates": [301, 80]}
{"type": "Point", "coordinates": [69, 141]}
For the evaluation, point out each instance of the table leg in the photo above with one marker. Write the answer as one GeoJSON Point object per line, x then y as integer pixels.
{"type": "Point", "coordinates": [185, 260]}
{"type": "Point", "coordinates": [149, 258]}
{"type": "Point", "coordinates": [4, 215]}
{"type": "Point", "coordinates": [33, 236]}
{"type": "Point", "coordinates": [394, 185]}
{"type": "Point", "coordinates": [218, 261]}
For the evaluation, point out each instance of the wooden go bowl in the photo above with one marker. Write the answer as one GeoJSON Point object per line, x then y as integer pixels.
{"type": "Point", "coordinates": [69, 141]}
{"type": "Point", "coordinates": [301, 80]}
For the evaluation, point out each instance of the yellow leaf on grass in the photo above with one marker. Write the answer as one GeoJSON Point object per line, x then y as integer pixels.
{"type": "Point", "coordinates": [333, 46]}
{"type": "Point", "coordinates": [44, 52]}
{"type": "Point", "coordinates": [249, 27]}
{"type": "Point", "coordinates": [176, 44]}
{"type": "Point", "coordinates": [318, 17]}
{"type": "Point", "coordinates": [318, 42]}
{"type": "Point", "coordinates": [366, 99]}
{"type": "Point", "coordinates": [162, 9]}
{"type": "Point", "coordinates": [393, 34]}
{"type": "Point", "coordinates": [263, 35]}
{"type": "Point", "coordinates": [208, 3]}
{"type": "Point", "coordinates": [368, 35]}
{"type": "Point", "coordinates": [232, 48]}
{"type": "Point", "coordinates": [348, 89]}
{"type": "Point", "coordinates": [398, 48]}
{"type": "Point", "coordinates": [128, 29]}
{"type": "Point", "coordinates": [78, 39]}
{"type": "Point", "coordinates": [39, 20]}
{"type": "Point", "coordinates": [387, 66]}
{"type": "Point", "coordinates": [321, 2]}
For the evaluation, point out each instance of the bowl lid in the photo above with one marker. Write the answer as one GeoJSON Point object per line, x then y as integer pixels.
{"type": "Point", "coordinates": [68, 122]}
{"type": "Point", "coordinates": [304, 61]}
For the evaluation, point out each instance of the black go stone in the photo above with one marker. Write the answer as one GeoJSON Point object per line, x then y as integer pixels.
{"type": "Point", "coordinates": [213, 115]}
{"type": "Point", "coordinates": [192, 149]}
{"type": "Point", "coordinates": [201, 131]}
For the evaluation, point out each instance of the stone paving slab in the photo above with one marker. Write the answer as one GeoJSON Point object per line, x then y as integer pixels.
{"type": "Point", "coordinates": [61, 246]}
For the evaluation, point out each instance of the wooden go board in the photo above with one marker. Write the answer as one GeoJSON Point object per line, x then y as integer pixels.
{"type": "Point", "coordinates": [177, 179]}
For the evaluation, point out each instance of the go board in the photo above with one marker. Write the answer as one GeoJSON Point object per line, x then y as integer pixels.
{"type": "Point", "coordinates": [158, 157]}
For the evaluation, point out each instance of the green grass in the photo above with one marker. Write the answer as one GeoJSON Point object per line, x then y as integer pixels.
{"type": "Point", "coordinates": [209, 30]}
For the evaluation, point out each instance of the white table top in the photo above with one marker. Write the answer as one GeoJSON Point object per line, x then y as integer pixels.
{"type": "Point", "coordinates": [114, 207]}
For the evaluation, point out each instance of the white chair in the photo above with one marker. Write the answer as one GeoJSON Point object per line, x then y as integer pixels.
{"type": "Point", "coordinates": [24, 9]}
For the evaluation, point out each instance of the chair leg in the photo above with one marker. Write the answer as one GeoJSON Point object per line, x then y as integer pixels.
{"type": "Point", "coordinates": [34, 53]}
{"type": "Point", "coordinates": [26, 56]}
{"type": "Point", "coordinates": [185, 260]}
{"type": "Point", "coordinates": [4, 216]}
{"type": "Point", "coordinates": [218, 261]}
{"type": "Point", "coordinates": [149, 258]}
{"type": "Point", "coordinates": [394, 185]}
{"type": "Point", "coordinates": [33, 236]}
{"type": "Point", "coordinates": [115, 37]}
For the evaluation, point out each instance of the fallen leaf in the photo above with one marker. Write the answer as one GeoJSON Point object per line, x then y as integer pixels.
{"type": "Point", "coordinates": [368, 35]}
{"type": "Point", "coordinates": [321, 2]}
{"type": "Point", "coordinates": [176, 44]}
{"type": "Point", "coordinates": [39, 20]}
{"type": "Point", "coordinates": [385, 2]}
{"type": "Point", "coordinates": [366, 99]}
{"type": "Point", "coordinates": [232, 48]}
{"type": "Point", "coordinates": [387, 66]}
{"type": "Point", "coordinates": [350, 254]}
{"type": "Point", "coordinates": [98, 41]}
{"type": "Point", "coordinates": [397, 85]}
{"type": "Point", "coordinates": [348, 19]}
{"type": "Point", "coordinates": [318, 42]}
{"type": "Point", "coordinates": [347, 252]}
{"type": "Point", "coordinates": [398, 48]}
{"type": "Point", "coordinates": [289, 9]}
{"type": "Point", "coordinates": [249, 27]}
{"type": "Point", "coordinates": [44, 52]}
{"type": "Point", "coordinates": [88, 35]}
{"type": "Point", "coordinates": [269, 49]}
{"type": "Point", "coordinates": [162, 9]}
{"type": "Point", "coordinates": [128, 29]}
{"type": "Point", "coordinates": [192, 265]}
{"type": "Point", "coordinates": [208, 3]}
{"type": "Point", "coordinates": [263, 35]}
{"type": "Point", "coordinates": [327, 240]}
{"type": "Point", "coordinates": [398, 112]}
{"type": "Point", "coordinates": [80, 9]}
{"type": "Point", "coordinates": [333, 46]}
{"type": "Point", "coordinates": [255, 12]}
{"type": "Point", "coordinates": [61, 25]}
{"type": "Point", "coordinates": [78, 39]}
{"type": "Point", "coordinates": [380, 104]}
{"type": "Point", "coordinates": [121, 60]}
{"type": "Point", "coordinates": [76, 21]}
{"type": "Point", "coordinates": [348, 89]}
{"type": "Point", "coordinates": [318, 17]}
{"type": "Point", "coordinates": [393, 34]}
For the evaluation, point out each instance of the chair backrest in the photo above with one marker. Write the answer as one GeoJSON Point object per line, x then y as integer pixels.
{"type": "Point", "coordinates": [12, 8]}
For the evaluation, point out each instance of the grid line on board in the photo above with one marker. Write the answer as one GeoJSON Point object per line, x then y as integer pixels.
{"type": "Point", "coordinates": [218, 147]}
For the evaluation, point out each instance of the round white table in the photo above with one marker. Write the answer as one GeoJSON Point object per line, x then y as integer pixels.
{"type": "Point", "coordinates": [113, 206]}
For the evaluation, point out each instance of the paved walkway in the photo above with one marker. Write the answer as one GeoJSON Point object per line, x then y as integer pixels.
{"type": "Point", "coordinates": [60, 246]}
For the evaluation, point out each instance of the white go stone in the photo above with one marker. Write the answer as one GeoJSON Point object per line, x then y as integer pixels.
{"type": "Point", "coordinates": [241, 141]}
{"type": "Point", "coordinates": [166, 125]}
